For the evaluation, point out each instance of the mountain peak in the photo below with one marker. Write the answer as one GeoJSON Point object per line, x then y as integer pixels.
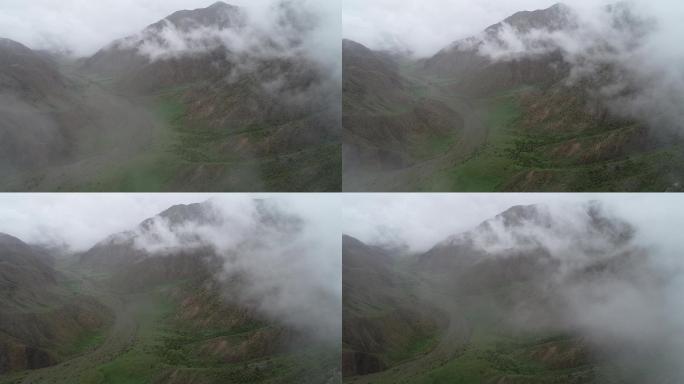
{"type": "Point", "coordinates": [219, 14]}
{"type": "Point", "coordinates": [200, 213]}
{"type": "Point", "coordinates": [220, 4]}
{"type": "Point", "coordinates": [556, 17]}
{"type": "Point", "coordinates": [520, 214]}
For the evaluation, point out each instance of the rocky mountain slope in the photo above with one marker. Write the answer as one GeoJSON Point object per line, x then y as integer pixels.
{"type": "Point", "coordinates": [42, 322]}
{"type": "Point", "coordinates": [29, 85]}
{"type": "Point", "coordinates": [387, 126]}
{"type": "Point", "coordinates": [383, 322]}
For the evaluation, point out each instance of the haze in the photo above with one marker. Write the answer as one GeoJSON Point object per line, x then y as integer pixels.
{"type": "Point", "coordinates": [81, 220]}
{"type": "Point", "coordinates": [422, 220]}
{"type": "Point", "coordinates": [425, 27]}
{"type": "Point", "coordinates": [83, 27]}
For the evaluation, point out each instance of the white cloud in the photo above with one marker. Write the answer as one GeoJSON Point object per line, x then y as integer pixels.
{"type": "Point", "coordinates": [86, 26]}
{"type": "Point", "coordinates": [294, 278]}
{"type": "Point", "coordinates": [630, 311]}
{"type": "Point", "coordinates": [423, 220]}
{"type": "Point", "coordinates": [426, 26]}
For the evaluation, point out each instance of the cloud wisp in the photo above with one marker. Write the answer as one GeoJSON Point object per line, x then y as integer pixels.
{"type": "Point", "coordinates": [626, 49]}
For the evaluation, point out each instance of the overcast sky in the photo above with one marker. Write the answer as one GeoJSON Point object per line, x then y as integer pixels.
{"type": "Point", "coordinates": [86, 26]}
{"type": "Point", "coordinates": [81, 220]}
{"type": "Point", "coordinates": [422, 220]}
{"type": "Point", "coordinates": [426, 26]}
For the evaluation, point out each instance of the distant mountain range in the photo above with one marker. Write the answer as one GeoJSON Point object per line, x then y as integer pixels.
{"type": "Point", "coordinates": [508, 122]}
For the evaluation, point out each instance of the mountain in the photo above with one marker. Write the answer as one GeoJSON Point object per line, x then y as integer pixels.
{"type": "Point", "coordinates": [30, 84]}
{"type": "Point", "coordinates": [179, 307]}
{"type": "Point", "coordinates": [41, 319]}
{"type": "Point", "coordinates": [475, 74]}
{"type": "Point", "coordinates": [284, 120]}
{"type": "Point", "coordinates": [382, 323]}
{"type": "Point", "coordinates": [216, 102]}
{"type": "Point", "coordinates": [123, 59]}
{"type": "Point", "coordinates": [515, 299]}
{"type": "Point", "coordinates": [119, 253]}
{"type": "Point", "coordinates": [32, 75]}
{"type": "Point", "coordinates": [173, 259]}
{"type": "Point", "coordinates": [137, 253]}
{"type": "Point", "coordinates": [533, 229]}
{"type": "Point", "coordinates": [388, 123]}
{"type": "Point", "coordinates": [536, 115]}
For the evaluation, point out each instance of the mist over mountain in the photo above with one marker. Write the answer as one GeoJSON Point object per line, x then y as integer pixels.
{"type": "Point", "coordinates": [29, 83]}
{"type": "Point", "coordinates": [258, 243]}
{"type": "Point", "coordinates": [229, 289]}
{"type": "Point", "coordinates": [39, 317]}
{"type": "Point", "coordinates": [534, 294]}
{"type": "Point", "coordinates": [218, 98]}
{"type": "Point", "coordinates": [554, 99]}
